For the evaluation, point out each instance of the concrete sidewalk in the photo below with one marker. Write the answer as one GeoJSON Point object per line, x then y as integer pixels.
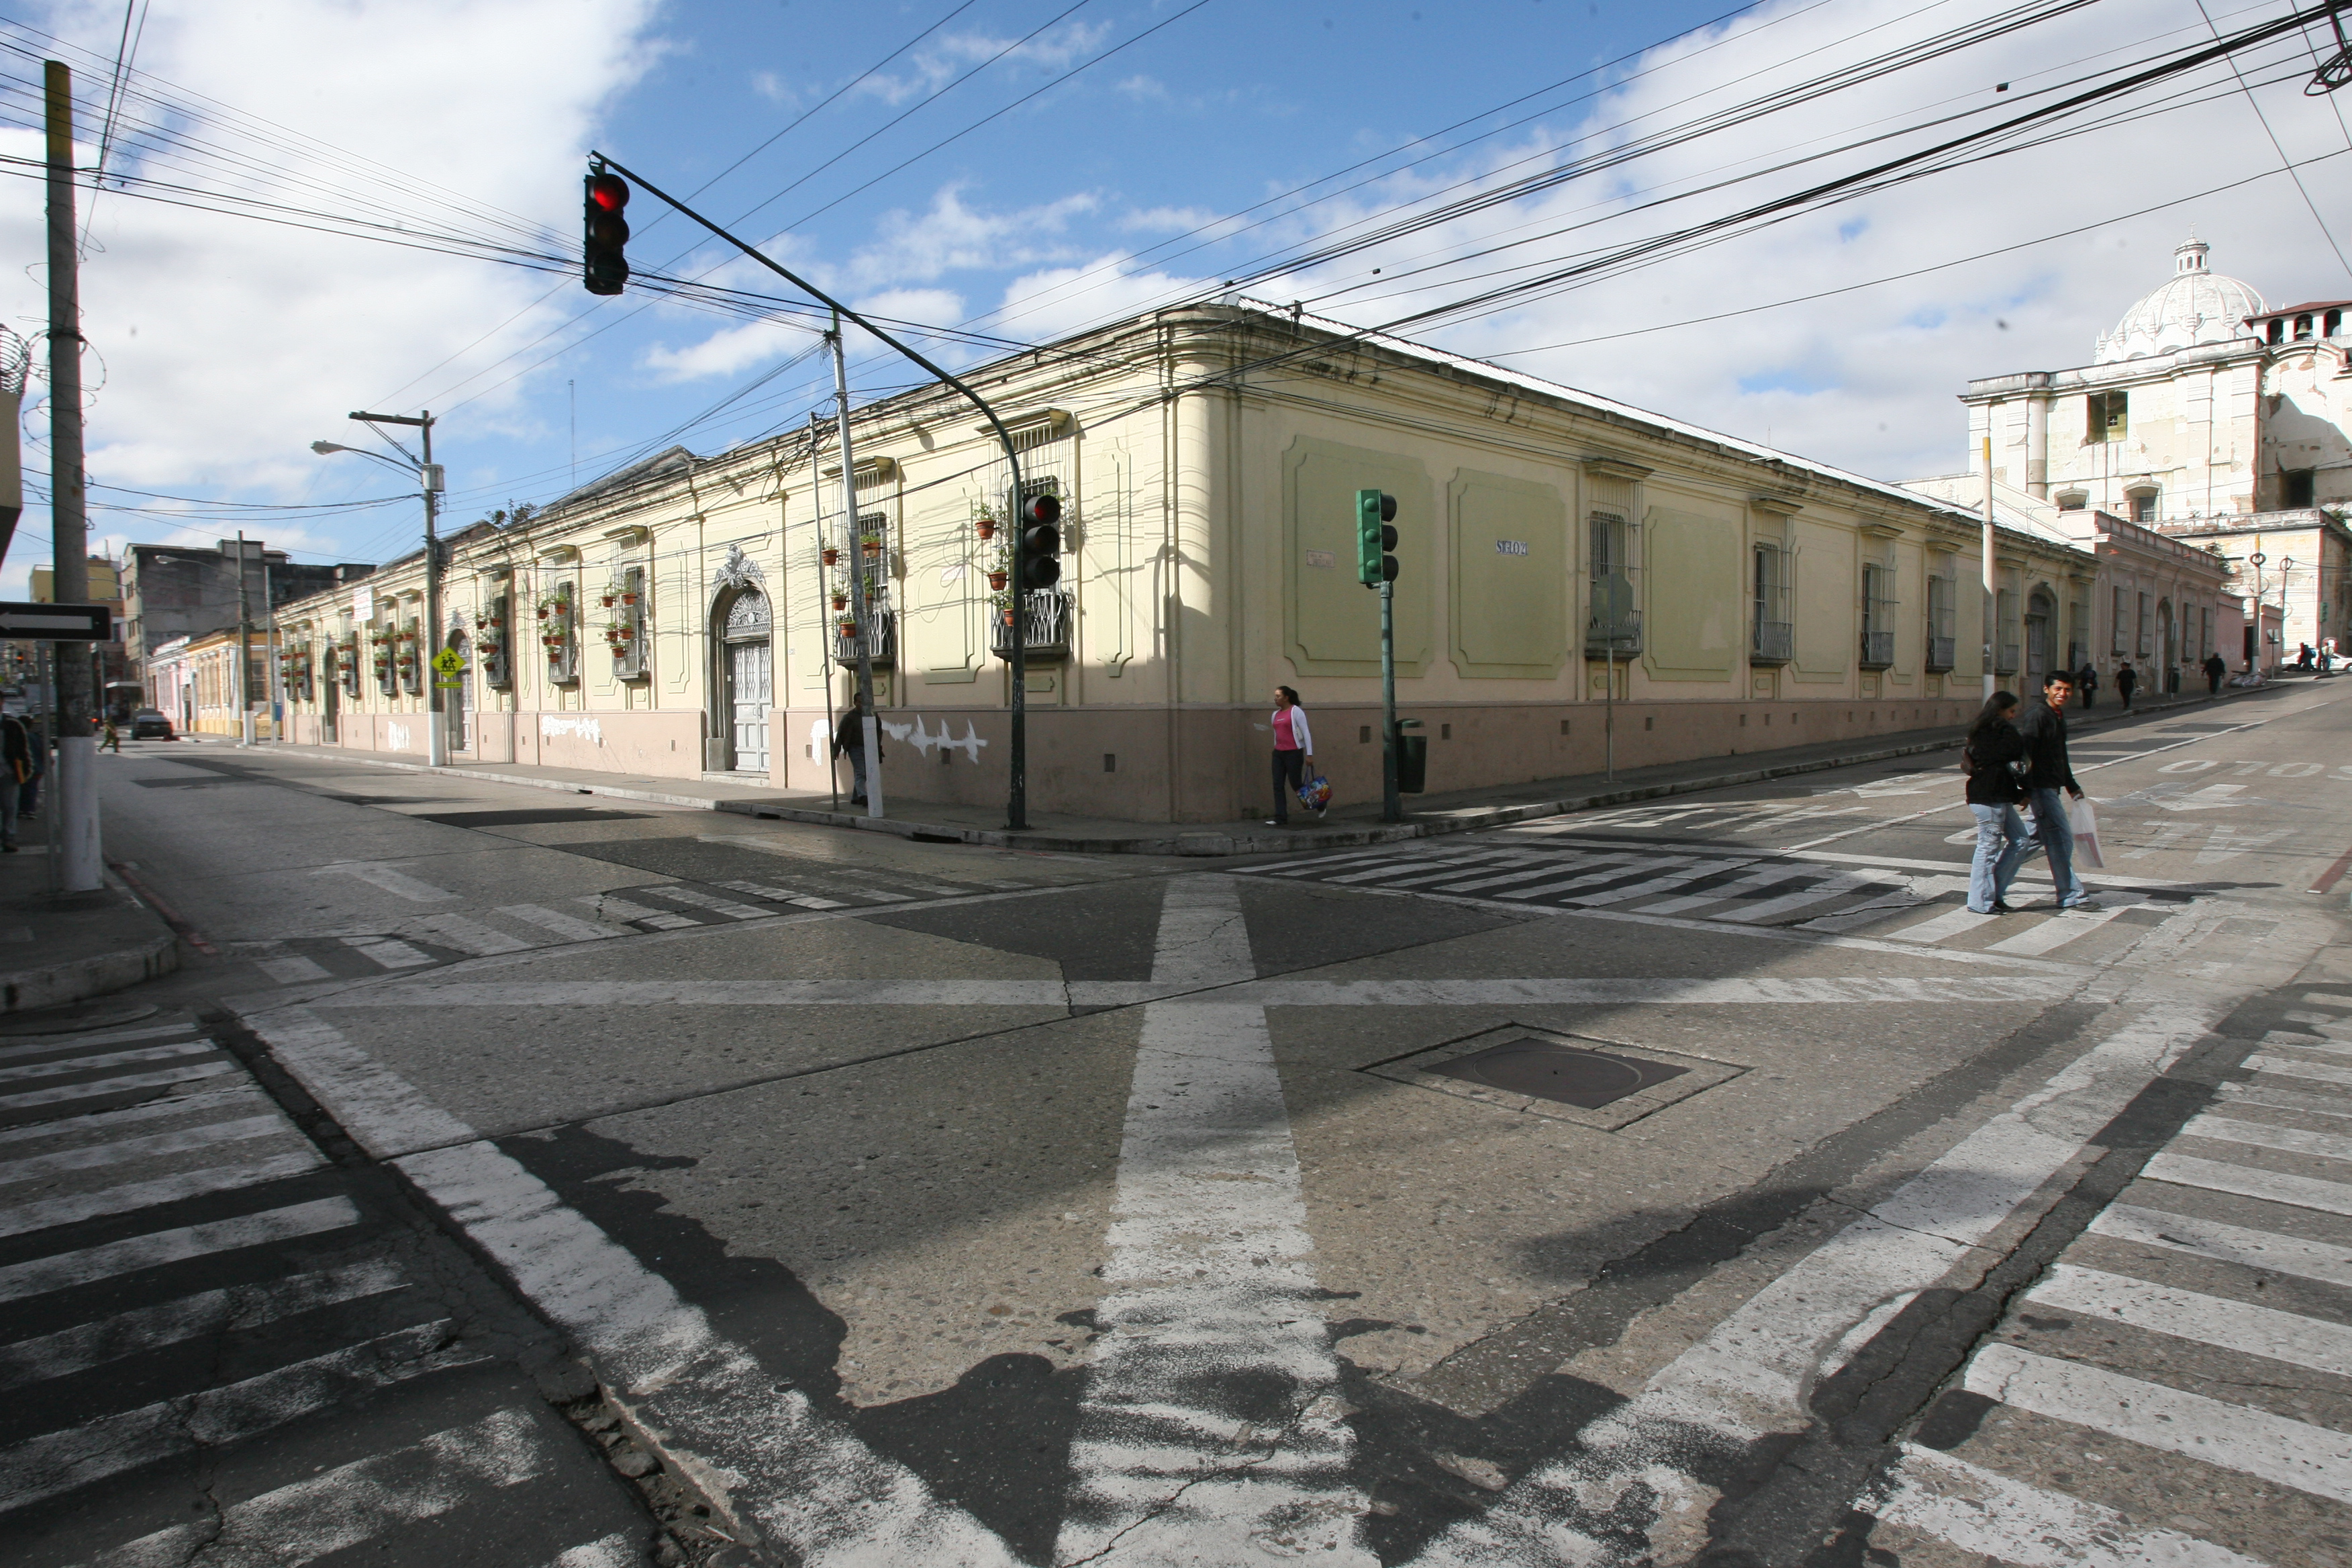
{"type": "Point", "coordinates": [56, 948]}
{"type": "Point", "coordinates": [1350, 824]}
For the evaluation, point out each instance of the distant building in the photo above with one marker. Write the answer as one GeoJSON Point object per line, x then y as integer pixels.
{"type": "Point", "coordinates": [194, 681]}
{"type": "Point", "coordinates": [172, 591]}
{"type": "Point", "coordinates": [117, 689]}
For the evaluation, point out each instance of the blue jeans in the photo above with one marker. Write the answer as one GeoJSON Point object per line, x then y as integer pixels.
{"type": "Point", "coordinates": [2001, 844]}
{"type": "Point", "coordinates": [2057, 838]}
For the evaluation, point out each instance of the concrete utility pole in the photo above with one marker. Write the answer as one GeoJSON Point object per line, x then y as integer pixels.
{"type": "Point", "coordinates": [81, 868]}
{"type": "Point", "coordinates": [853, 541]}
{"type": "Point", "coordinates": [1992, 592]}
{"type": "Point", "coordinates": [244, 651]}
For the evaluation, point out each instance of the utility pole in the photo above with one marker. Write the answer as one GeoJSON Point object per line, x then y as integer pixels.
{"type": "Point", "coordinates": [273, 680]}
{"type": "Point", "coordinates": [244, 651]}
{"type": "Point", "coordinates": [81, 867]}
{"type": "Point", "coordinates": [861, 613]}
{"type": "Point", "coordinates": [1992, 591]}
{"type": "Point", "coordinates": [1392, 799]}
{"type": "Point", "coordinates": [430, 480]}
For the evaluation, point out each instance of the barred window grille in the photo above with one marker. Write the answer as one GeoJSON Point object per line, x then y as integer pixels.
{"type": "Point", "coordinates": [560, 633]}
{"type": "Point", "coordinates": [625, 633]}
{"type": "Point", "coordinates": [494, 642]}
{"type": "Point", "coordinates": [1943, 639]}
{"type": "Point", "coordinates": [1878, 605]}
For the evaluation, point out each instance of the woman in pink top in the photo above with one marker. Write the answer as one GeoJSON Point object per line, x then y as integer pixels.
{"type": "Point", "coordinates": [1294, 752]}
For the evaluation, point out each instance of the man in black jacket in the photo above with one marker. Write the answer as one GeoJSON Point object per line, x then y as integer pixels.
{"type": "Point", "coordinates": [2042, 723]}
{"type": "Point", "coordinates": [2214, 670]}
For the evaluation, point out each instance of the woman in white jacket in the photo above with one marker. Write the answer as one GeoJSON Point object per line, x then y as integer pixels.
{"type": "Point", "coordinates": [1294, 753]}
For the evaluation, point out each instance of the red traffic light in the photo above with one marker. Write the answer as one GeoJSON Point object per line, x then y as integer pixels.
{"type": "Point", "coordinates": [1045, 509]}
{"type": "Point", "coordinates": [603, 264]}
{"type": "Point", "coordinates": [608, 190]}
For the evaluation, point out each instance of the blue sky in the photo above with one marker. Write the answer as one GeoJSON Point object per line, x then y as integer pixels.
{"type": "Point", "coordinates": [1099, 158]}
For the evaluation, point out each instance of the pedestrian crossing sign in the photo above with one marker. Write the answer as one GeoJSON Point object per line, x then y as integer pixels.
{"type": "Point", "coordinates": [447, 665]}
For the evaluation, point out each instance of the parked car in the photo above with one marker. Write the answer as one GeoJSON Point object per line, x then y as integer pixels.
{"type": "Point", "coordinates": [150, 724]}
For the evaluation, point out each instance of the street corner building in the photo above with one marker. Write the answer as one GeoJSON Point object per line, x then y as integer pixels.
{"type": "Point", "coordinates": [1569, 565]}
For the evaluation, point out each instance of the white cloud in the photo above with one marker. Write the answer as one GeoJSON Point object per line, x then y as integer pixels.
{"type": "Point", "coordinates": [951, 236]}
{"type": "Point", "coordinates": [770, 86]}
{"type": "Point", "coordinates": [1144, 89]}
{"type": "Point", "coordinates": [1054, 301]}
{"type": "Point", "coordinates": [726, 351]}
{"type": "Point", "coordinates": [935, 64]}
{"type": "Point", "coordinates": [228, 344]}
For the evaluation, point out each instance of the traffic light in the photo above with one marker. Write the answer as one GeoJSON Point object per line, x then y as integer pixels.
{"type": "Point", "coordinates": [1039, 541]}
{"type": "Point", "coordinates": [1375, 538]}
{"type": "Point", "coordinates": [603, 267]}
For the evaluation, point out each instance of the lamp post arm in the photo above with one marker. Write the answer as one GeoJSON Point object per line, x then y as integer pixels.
{"type": "Point", "coordinates": [1017, 805]}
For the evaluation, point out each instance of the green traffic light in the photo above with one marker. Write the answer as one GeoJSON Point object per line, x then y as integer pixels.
{"type": "Point", "coordinates": [1374, 537]}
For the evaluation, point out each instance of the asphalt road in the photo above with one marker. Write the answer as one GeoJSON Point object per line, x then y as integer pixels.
{"type": "Point", "coordinates": [1691, 1182]}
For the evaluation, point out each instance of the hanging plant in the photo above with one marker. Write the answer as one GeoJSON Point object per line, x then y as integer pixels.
{"type": "Point", "coordinates": [873, 545]}
{"type": "Point", "coordinates": [840, 601]}
{"type": "Point", "coordinates": [848, 628]}
{"type": "Point", "coordinates": [997, 580]}
{"type": "Point", "coordinates": [829, 555]}
{"type": "Point", "coordinates": [628, 599]}
{"type": "Point", "coordinates": [554, 605]}
{"type": "Point", "coordinates": [985, 527]}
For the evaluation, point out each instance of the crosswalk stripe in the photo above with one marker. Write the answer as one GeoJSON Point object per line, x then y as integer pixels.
{"type": "Point", "coordinates": [31, 1071]}
{"type": "Point", "coordinates": [186, 1105]}
{"type": "Point", "coordinates": [180, 1142]}
{"type": "Point", "coordinates": [2002, 1519]}
{"type": "Point", "coordinates": [711, 901]}
{"type": "Point", "coordinates": [1437, 862]}
{"type": "Point", "coordinates": [2293, 1454]}
{"type": "Point", "coordinates": [786, 896]}
{"type": "Point", "coordinates": [2277, 1097]}
{"type": "Point", "coordinates": [63, 1271]}
{"type": "Point", "coordinates": [142, 1329]}
{"type": "Point", "coordinates": [1763, 878]}
{"type": "Point", "coordinates": [1604, 874]}
{"type": "Point", "coordinates": [292, 970]}
{"type": "Point", "coordinates": [2215, 1176]}
{"type": "Point", "coordinates": [563, 925]}
{"type": "Point", "coordinates": [56, 1462]}
{"type": "Point", "coordinates": [74, 1042]}
{"type": "Point", "coordinates": [1656, 884]}
{"type": "Point", "coordinates": [1551, 864]}
{"type": "Point", "coordinates": [2286, 1066]}
{"type": "Point", "coordinates": [469, 935]}
{"type": "Point", "coordinates": [20, 1219]}
{"type": "Point", "coordinates": [98, 1089]}
{"type": "Point", "coordinates": [1820, 892]}
{"type": "Point", "coordinates": [2056, 931]}
{"type": "Point", "coordinates": [388, 951]}
{"type": "Point", "coordinates": [2307, 1343]}
{"type": "Point", "coordinates": [1951, 922]}
{"type": "Point", "coordinates": [2227, 1243]}
{"type": "Point", "coordinates": [612, 1551]}
{"type": "Point", "coordinates": [2264, 1135]}
{"type": "Point", "coordinates": [1542, 862]}
{"type": "Point", "coordinates": [879, 896]}
{"type": "Point", "coordinates": [620, 909]}
{"type": "Point", "coordinates": [352, 1503]}
{"type": "Point", "coordinates": [2315, 1044]}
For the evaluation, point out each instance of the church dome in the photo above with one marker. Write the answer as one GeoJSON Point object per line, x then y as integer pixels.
{"type": "Point", "coordinates": [2197, 306]}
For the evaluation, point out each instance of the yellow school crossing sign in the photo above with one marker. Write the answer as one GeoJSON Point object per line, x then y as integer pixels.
{"type": "Point", "coordinates": [447, 666]}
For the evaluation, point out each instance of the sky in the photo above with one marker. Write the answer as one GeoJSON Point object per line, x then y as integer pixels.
{"type": "Point", "coordinates": [1025, 168]}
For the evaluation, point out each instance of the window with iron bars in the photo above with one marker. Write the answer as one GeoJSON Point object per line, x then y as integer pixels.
{"type": "Point", "coordinates": [1878, 605]}
{"type": "Point", "coordinates": [1775, 635]}
{"type": "Point", "coordinates": [1943, 641]}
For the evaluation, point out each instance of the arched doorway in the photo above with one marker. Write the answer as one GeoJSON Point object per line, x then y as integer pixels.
{"type": "Point", "coordinates": [746, 677]}
{"type": "Point", "coordinates": [457, 702]}
{"type": "Point", "coordinates": [2040, 630]}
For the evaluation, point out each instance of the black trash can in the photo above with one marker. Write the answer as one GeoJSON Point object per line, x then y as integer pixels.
{"type": "Point", "coordinates": [1412, 761]}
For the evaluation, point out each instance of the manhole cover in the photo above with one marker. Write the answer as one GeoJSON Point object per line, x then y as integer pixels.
{"type": "Point", "coordinates": [1556, 1072]}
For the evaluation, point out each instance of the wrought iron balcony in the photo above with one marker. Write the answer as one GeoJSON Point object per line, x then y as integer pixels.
{"type": "Point", "coordinates": [1621, 636]}
{"type": "Point", "coordinates": [1774, 643]}
{"type": "Point", "coordinates": [1940, 655]}
{"type": "Point", "coordinates": [1877, 649]}
{"type": "Point", "coordinates": [881, 638]}
{"type": "Point", "coordinates": [1045, 625]}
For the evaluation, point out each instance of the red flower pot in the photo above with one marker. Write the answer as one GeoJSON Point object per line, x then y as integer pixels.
{"type": "Point", "coordinates": [996, 580]}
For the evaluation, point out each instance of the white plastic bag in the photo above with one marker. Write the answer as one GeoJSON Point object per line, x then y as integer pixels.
{"type": "Point", "coordinates": [2084, 822]}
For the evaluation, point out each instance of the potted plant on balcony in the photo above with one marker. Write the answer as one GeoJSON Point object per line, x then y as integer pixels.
{"type": "Point", "coordinates": [829, 555]}
{"type": "Point", "coordinates": [848, 628]}
{"type": "Point", "coordinates": [984, 521]}
{"type": "Point", "coordinates": [840, 599]}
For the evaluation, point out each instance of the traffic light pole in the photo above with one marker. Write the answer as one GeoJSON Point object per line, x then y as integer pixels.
{"type": "Point", "coordinates": [1017, 753]}
{"type": "Point", "coordinates": [1392, 799]}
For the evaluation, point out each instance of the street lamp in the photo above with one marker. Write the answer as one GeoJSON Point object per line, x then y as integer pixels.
{"type": "Point", "coordinates": [431, 480]}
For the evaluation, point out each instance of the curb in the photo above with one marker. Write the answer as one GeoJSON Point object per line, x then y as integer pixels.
{"type": "Point", "coordinates": [24, 990]}
{"type": "Point", "coordinates": [1469, 819]}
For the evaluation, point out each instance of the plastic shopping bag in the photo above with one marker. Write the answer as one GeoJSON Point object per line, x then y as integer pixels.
{"type": "Point", "coordinates": [2084, 822]}
{"type": "Point", "coordinates": [1315, 793]}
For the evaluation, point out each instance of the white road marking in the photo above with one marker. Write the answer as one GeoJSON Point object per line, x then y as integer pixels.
{"type": "Point", "coordinates": [390, 881]}
{"type": "Point", "coordinates": [2294, 1454]}
{"type": "Point", "coordinates": [1445, 863]}
{"type": "Point", "coordinates": [1951, 923]}
{"type": "Point", "coordinates": [2302, 1042]}
{"type": "Point", "coordinates": [1763, 878]}
{"type": "Point", "coordinates": [142, 1329]}
{"type": "Point", "coordinates": [1210, 1293]}
{"type": "Point", "coordinates": [57, 1462]}
{"type": "Point", "coordinates": [571, 927]}
{"type": "Point", "coordinates": [1548, 865]}
{"type": "Point", "coordinates": [31, 1071]}
{"type": "Point", "coordinates": [1752, 1373]}
{"type": "Point", "coordinates": [352, 1503]}
{"type": "Point", "coordinates": [94, 1121]}
{"type": "Point", "coordinates": [99, 1088]}
{"type": "Point", "coordinates": [1998, 1517]}
{"type": "Point", "coordinates": [178, 1142]}
{"type": "Point", "coordinates": [292, 970]}
{"type": "Point", "coordinates": [1656, 884]}
{"type": "Point", "coordinates": [62, 1269]}
{"type": "Point", "coordinates": [2216, 1176]}
{"type": "Point", "coordinates": [2227, 1243]}
{"type": "Point", "coordinates": [2192, 1315]}
{"type": "Point", "coordinates": [786, 896]}
{"type": "Point", "coordinates": [74, 1042]}
{"type": "Point", "coordinates": [381, 1109]}
{"type": "Point", "coordinates": [2265, 1135]}
{"type": "Point", "coordinates": [1606, 874]}
{"type": "Point", "coordinates": [620, 909]}
{"type": "Point", "coordinates": [388, 951]}
{"type": "Point", "coordinates": [733, 910]}
{"type": "Point", "coordinates": [2286, 1066]}
{"type": "Point", "coordinates": [760, 1452]}
{"type": "Point", "coordinates": [614, 1551]}
{"type": "Point", "coordinates": [2056, 931]}
{"type": "Point", "coordinates": [1835, 887]}
{"type": "Point", "coordinates": [20, 1220]}
{"type": "Point", "coordinates": [468, 935]}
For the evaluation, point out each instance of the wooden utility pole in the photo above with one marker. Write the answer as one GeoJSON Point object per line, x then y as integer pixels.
{"type": "Point", "coordinates": [74, 796]}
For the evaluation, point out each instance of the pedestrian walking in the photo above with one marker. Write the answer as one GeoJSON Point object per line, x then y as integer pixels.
{"type": "Point", "coordinates": [1996, 764]}
{"type": "Point", "coordinates": [849, 740]}
{"type": "Point", "coordinates": [1294, 752]}
{"type": "Point", "coordinates": [111, 739]}
{"type": "Point", "coordinates": [2302, 657]}
{"type": "Point", "coordinates": [2042, 725]}
{"type": "Point", "coordinates": [2126, 682]}
{"type": "Point", "coordinates": [2215, 668]}
{"type": "Point", "coordinates": [16, 767]}
{"type": "Point", "coordinates": [2087, 682]}
{"type": "Point", "coordinates": [28, 793]}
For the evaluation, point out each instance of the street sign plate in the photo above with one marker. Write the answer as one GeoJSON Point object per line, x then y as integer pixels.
{"type": "Point", "coordinates": [55, 623]}
{"type": "Point", "coordinates": [448, 661]}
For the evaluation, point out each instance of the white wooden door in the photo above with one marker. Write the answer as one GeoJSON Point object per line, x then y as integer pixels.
{"type": "Point", "coordinates": [749, 693]}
